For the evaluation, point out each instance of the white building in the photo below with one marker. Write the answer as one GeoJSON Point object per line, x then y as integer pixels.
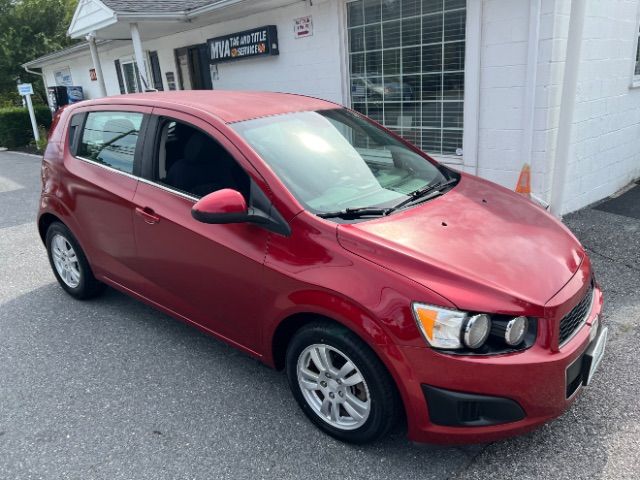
{"type": "Point", "coordinates": [483, 85]}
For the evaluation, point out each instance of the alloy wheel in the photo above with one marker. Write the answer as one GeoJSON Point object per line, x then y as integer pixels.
{"type": "Point", "coordinates": [66, 261]}
{"type": "Point", "coordinates": [333, 387]}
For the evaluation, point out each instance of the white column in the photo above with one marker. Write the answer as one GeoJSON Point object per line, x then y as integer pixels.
{"type": "Point", "coordinates": [139, 54]}
{"type": "Point", "coordinates": [91, 38]}
{"type": "Point", "coordinates": [529, 107]}
{"type": "Point", "coordinates": [567, 105]}
{"type": "Point", "coordinates": [472, 69]}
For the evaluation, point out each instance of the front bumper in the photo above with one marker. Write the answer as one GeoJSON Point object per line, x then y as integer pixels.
{"type": "Point", "coordinates": [535, 380]}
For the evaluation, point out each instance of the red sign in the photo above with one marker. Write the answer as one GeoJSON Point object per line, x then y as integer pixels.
{"type": "Point", "coordinates": [303, 27]}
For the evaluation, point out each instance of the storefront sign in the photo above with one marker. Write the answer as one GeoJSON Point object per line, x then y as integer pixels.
{"type": "Point", "coordinates": [93, 75]}
{"type": "Point", "coordinates": [303, 27]}
{"type": "Point", "coordinates": [257, 42]}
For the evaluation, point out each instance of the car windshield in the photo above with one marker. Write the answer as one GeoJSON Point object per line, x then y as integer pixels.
{"type": "Point", "coordinates": [334, 160]}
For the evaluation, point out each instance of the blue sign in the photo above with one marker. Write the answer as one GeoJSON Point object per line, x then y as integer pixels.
{"type": "Point", "coordinates": [25, 89]}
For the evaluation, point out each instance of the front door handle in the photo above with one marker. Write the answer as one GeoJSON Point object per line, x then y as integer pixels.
{"type": "Point", "coordinates": [148, 215]}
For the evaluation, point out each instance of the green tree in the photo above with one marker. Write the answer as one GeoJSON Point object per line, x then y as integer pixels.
{"type": "Point", "coordinates": [30, 29]}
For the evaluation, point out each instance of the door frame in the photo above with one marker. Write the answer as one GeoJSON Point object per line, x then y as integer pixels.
{"type": "Point", "coordinates": [203, 80]}
{"type": "Point", "coordinates": [153, 130]}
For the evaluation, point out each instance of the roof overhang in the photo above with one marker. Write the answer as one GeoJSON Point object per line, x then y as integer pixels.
{"type": "Point", "coordinates": [109, 26]}
{"type": "Point", "coordinates": [90, 15]}
{"type": "Point", "coordinates": [74, 51]}
{"type": "Point", "coordinates": [94, 17]}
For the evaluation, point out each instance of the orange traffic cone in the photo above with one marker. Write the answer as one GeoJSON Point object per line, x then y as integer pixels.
{"type": "Point", "coordinates": [524, 181]}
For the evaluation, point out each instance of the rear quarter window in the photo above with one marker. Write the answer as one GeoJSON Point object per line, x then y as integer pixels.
{"type": "Point", "coordinates": [111, 138]}
{"type": "Point", "coordinates": [74, 129]}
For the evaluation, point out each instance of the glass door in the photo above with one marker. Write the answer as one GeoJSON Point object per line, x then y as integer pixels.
{"type": "Point", "coordinates": [193, 67]}
{"type": "Point", "coordinates": [130, 77]}
{"type": "Point", "coordinates": [184, 75]}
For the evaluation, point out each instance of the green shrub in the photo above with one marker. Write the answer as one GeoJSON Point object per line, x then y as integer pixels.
{"type": "Point", "coordinates": [15, 125]}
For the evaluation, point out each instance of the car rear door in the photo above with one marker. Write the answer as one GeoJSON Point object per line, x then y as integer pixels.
{"type": "Point", "coordinates": [210, 275]}
{"type": "Point", "coordinates": [101, 171]}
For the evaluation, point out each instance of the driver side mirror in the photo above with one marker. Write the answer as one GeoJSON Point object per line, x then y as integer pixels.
{"type": "Point", "coordinates": [221, 206]}
{"type": "Point", "coordinates": [229, 206]}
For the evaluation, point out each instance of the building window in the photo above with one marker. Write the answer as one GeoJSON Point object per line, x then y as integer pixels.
{"type": "Point", "coordinates": [406, 62]}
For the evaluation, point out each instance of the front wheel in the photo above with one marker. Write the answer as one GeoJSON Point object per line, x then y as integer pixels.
{"type": "Point", "coordinates": [340, 383]}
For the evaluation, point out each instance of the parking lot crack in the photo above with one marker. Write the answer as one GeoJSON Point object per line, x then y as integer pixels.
{"type": "Point", "coordinates": [611, 259]}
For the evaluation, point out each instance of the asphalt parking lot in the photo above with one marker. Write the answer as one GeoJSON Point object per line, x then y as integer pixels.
{"type": "Point", "coordinates": [113, 389]}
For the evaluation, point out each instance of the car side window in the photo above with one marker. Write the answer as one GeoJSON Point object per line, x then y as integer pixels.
{"type": "Point", "coordinates": [111, 138]}
{"type": "Point", "coordinates": [191, 161]}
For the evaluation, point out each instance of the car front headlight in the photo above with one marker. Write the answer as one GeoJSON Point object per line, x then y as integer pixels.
{"type": "Point", "coordinates": [449, 329]}
{"type": "Point", "coordinates": [441, 327]}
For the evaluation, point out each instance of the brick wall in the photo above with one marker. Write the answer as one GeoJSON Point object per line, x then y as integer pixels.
{"type": "Point", "coordinates": [606, 132]}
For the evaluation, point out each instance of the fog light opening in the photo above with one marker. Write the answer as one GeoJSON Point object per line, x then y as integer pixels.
{"type": "Point", "coordinates": [515, 331]}
{"type": "Point", "coordinates": [476, 331]}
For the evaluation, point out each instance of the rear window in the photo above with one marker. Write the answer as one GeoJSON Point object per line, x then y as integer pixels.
{"type": "Point", "coordinates": [110, 138]}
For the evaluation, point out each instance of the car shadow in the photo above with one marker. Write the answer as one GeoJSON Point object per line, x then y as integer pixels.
{"type": "Point", "coordinates": [129, 380]}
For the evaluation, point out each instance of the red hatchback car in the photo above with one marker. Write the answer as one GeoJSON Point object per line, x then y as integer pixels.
{"type": "Point", "coordinates": [389, 287]}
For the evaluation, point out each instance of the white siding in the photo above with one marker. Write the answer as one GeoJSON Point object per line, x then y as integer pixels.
{"type": "Point", "coordinates": [309, 65]}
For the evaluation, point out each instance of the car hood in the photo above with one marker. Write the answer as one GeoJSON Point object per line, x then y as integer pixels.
{"type": "Point", "coordinates": [479, 245]}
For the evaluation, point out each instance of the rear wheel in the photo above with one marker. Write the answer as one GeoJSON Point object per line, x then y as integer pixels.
{"type": "Point", "coordinates": [69, 263]}
{"type": "Point", "coordinates": [340, 383]}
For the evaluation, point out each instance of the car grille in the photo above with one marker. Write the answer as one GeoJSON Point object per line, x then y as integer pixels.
{"type": "Point", "coordinates": [573, 320]}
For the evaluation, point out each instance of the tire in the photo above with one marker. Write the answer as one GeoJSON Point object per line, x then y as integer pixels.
{"type": "Point", "coordinates": [70, 267]}
{"type": "Point", "coordinates": [377, 390]}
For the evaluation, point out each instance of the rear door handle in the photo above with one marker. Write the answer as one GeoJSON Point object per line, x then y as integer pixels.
{"type": "Point", "coordinates": [148, 215]}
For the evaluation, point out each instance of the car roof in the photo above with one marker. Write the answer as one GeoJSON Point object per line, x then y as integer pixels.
{"type": "Point", "coordinates": [229, 106]}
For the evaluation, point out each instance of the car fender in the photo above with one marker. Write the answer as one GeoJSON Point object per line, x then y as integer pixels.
{"type": "Point", "coordinates": [49, 204]}
{"type": "Point", "coordinates": [311, 303]}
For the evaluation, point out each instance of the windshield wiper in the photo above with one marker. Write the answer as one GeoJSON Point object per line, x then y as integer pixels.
{"type": "Point", "coordinates": [424, 191]}
{"type": "Point", "coordinates": [352, 213]}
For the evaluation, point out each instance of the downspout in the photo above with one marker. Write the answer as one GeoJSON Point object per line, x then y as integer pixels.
{"type": "Point", "coordinates": [564, 147]}
{"type": "Point", "coordinates": [529, 107]}
{"type": "Point", "coordinates": [44, 81]}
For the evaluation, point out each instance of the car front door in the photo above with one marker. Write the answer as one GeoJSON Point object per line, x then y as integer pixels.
{"type": "Point", "coordinates": [210, 275]}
